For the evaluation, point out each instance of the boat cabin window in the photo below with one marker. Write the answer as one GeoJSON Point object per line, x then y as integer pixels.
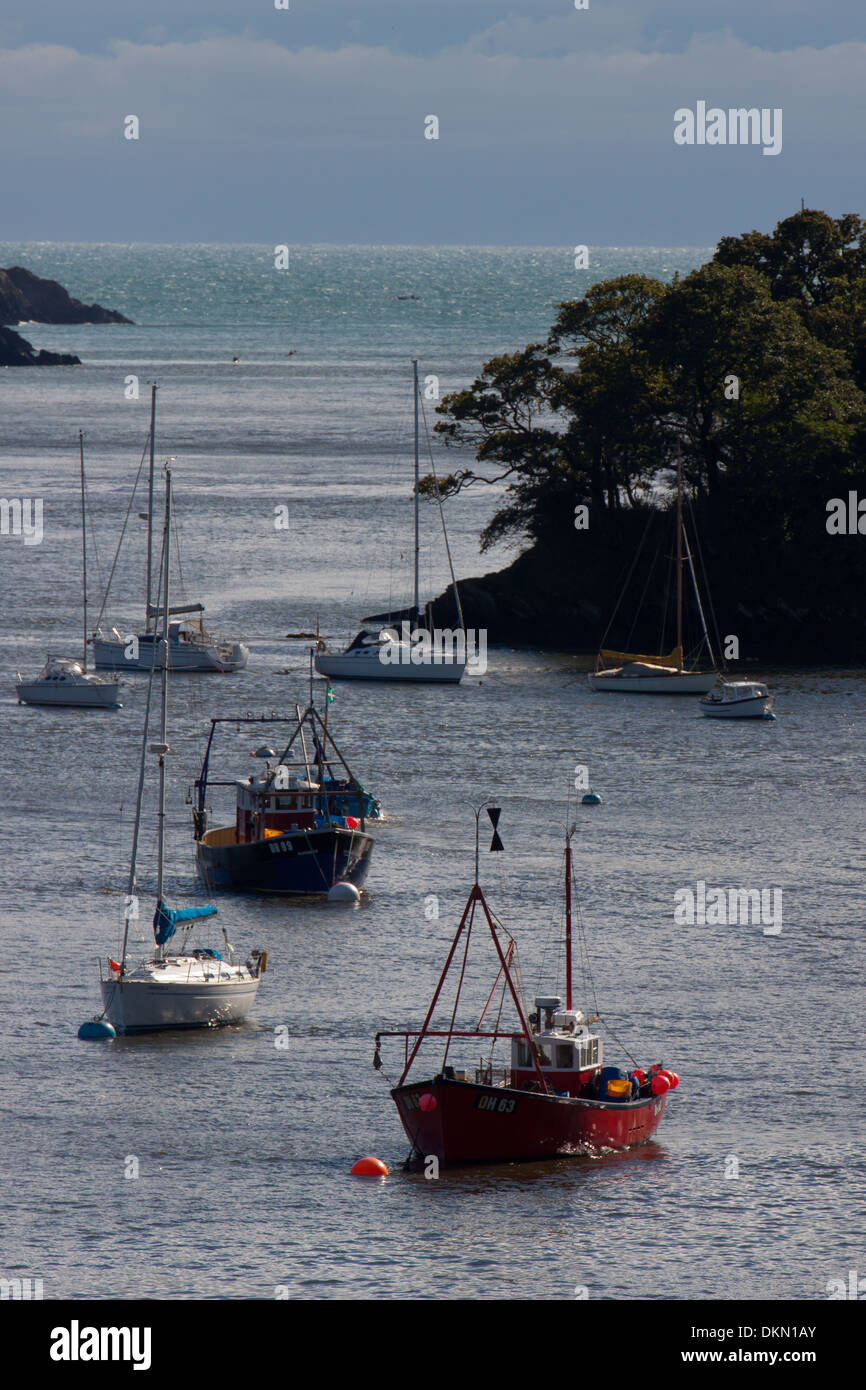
{"type": "Point", "coordinates": [564, 1055]}
{"type": "Point", "coordinates": [589, 1052]}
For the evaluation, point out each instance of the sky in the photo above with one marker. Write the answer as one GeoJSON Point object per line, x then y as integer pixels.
{"type": "Point", "coordinates": [307, 124]}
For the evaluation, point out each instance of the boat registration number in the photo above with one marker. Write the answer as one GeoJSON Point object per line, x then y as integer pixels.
{"type": "Point", "coordinates": [503, 1105]}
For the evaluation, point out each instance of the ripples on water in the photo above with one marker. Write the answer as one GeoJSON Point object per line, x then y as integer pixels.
{"type": "Point", "coordinates": [244, 1148]}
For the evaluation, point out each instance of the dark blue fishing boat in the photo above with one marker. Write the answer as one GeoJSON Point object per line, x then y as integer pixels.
{"type": "Point", "coordinates": [300, 826]}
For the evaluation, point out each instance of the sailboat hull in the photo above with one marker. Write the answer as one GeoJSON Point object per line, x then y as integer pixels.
{"type": "Point", "coordinates": [305, 864]}
{"type": "Point", "coordinates": [464, 1122]}
{"type": "Point", "coordinates": [363, 666]}
{"type": "Point", "coordinates": [111, 656]}
{"type": "Point", "coordinates": [678, 683]}
{"type": "Point", "coordinates": [89, 696]}
{"type": "Point", "coordinates": [149, 1006]}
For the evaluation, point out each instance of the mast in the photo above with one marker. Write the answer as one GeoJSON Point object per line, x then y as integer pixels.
{"type": "Point", "coordinates": [417, 476]}
{"type": "Point", "coordinates": [680, 556]}
{"type": "Point", "coordinates": [161, 748]}
{"type": "Point", "coordinates": [148, 583]}
{"type": "Point", "coordinates": [83, 541]}
{"type": "Point", "coordinates": [568, 920]}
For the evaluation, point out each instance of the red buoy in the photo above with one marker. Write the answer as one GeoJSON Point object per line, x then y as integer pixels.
{"type": "Point", "coordinates": [427, 1102]}
{"type": "Point", "coordinates": [639, 1075]}
{"type": "Point", "coordinates": [659, 1084]}
{"type": "Point", "coordinates": [673, 1078]}
{"type": "Point", "coordinates": [370, 1168]}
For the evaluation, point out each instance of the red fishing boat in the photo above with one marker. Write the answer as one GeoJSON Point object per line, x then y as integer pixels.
{"type": "Point", "coordinates": [555, 1096]}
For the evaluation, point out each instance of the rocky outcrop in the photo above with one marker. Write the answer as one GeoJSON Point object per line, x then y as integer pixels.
{"type": "Point", "coordinates": [25, 297]}
{"type": "Point", "coordinates": [15, 351]}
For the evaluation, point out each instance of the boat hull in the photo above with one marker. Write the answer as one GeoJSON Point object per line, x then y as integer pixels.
{"type": "Point", "coordinates": [680, 683]}
{"type": "Point", "coordinates": [292, 865]}
{"type": "Point", "coordinates": [111, 656]}
{"type": "Point", "coordinates": [472, 1123]}
{"type": "Point", "coordinates": [144, 1006]}
{"type": "Point", "coordinates": [102, 696]}
{"type": "Point", "coordinates": [347, 667]}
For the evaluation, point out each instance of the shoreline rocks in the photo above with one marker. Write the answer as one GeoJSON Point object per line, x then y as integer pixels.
{"type": "Point", "coordinates": [15, 351]}
{"type": "Point", "coordinates": [26, 298]}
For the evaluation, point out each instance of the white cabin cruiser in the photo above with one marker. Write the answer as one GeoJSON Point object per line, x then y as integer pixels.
{"type": "Point", "coordinates": [65, 682]}
{"type": "Point", "coordinates": [738, 700]}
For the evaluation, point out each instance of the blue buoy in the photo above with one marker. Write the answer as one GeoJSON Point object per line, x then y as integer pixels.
{"type": "Point", "coordinates": [590, 799]}
{"type": "Point", "coordinates": [96, 1030]}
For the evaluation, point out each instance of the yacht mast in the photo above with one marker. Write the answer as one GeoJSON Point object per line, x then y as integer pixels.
{"type": "Point", "coordinates": [680, 557]}
{"type": "Point", "coordinates": [417, 475]}
{"type": "Point", "coordinates": [161, 748]}
{"type": "Point", "coordinates": [149, 584]}
{"type": "Point", "coordinates": [83, 542]}
{"type": "Point", "coordinates": [568, 920]}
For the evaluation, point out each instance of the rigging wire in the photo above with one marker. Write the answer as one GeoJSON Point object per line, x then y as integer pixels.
{"type": "Point", "coordinates": [123, 531]}
{"type": "Point", "coordinates": [442, 515]}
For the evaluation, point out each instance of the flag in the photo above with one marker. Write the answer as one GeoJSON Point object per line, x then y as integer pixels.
{"type": "Point", "coordinates": [329, 694]}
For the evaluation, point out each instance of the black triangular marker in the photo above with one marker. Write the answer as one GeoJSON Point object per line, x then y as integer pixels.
{"type": "Point", "coordinates": [494, 812]}
{"type": "Point", "coordinates": [496, 844]}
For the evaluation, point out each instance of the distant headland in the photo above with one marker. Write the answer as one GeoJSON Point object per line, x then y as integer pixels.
{"type": "Point", "coordinates": [28, 298]}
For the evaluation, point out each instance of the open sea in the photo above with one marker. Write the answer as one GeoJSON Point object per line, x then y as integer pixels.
{"type": "Point", "coordinates": [755, 1186]}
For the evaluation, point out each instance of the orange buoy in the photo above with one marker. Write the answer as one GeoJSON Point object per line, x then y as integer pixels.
{"type": "Point", "coordinates": [427, 1102]}
{"type": "Point", "coordinates": [370, 1168]}
{"type": "Point", "coordinates": [659, 1084]}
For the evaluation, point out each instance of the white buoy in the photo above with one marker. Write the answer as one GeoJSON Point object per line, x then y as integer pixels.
{"type": "Point", "coordinates": [344, 893]}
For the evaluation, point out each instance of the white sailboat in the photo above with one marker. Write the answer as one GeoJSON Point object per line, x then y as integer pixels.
{"type": "Point", "coordinates": [637, 674]}
{"type": "Point", "coordinates": [63, 681]}
{"type": "Point", "coordinates": [190, 987]}
{"type": "Point", "coordinates": [407, 653]}
{"type": "Point", "coordinates": [190, 646]}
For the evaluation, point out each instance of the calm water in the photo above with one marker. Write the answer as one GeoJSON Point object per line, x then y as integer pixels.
{"type": "Point", "coordinates": [244, 1148]}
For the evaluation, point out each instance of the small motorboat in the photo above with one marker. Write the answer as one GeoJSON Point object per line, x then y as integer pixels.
{"type": "Point", "coordinates": [738, 700]}
{"type": "Point", "coordinates": [65, 682]}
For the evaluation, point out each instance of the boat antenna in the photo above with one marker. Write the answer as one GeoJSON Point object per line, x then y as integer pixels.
{"type": "Point", "coordinates": [83, 539]}
{"type": "Point", "coordinates": [161, 748]}
{"type": "Point", "coordinates": [680, 556]}
{"type": "Point", "coordinates": [149, 581]}
{"type": "Point", "coordinates": [568, 996]}
{"type": "Point", "coordinates": [417, 480]}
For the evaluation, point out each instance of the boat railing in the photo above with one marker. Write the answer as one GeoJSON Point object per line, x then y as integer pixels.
{"type": "Point", "coordinates": [493, 1076]}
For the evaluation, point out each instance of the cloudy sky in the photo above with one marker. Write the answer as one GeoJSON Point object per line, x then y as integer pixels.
{"type": "Point", "coordinates": [307, 124]}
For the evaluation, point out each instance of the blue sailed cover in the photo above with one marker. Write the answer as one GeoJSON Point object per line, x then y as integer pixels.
{"type": "Point", "coordinates": [166, 918]}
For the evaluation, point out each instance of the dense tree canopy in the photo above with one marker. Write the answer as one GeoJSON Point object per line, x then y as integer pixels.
{"type": "Point", "coordinates": [752, 368]}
